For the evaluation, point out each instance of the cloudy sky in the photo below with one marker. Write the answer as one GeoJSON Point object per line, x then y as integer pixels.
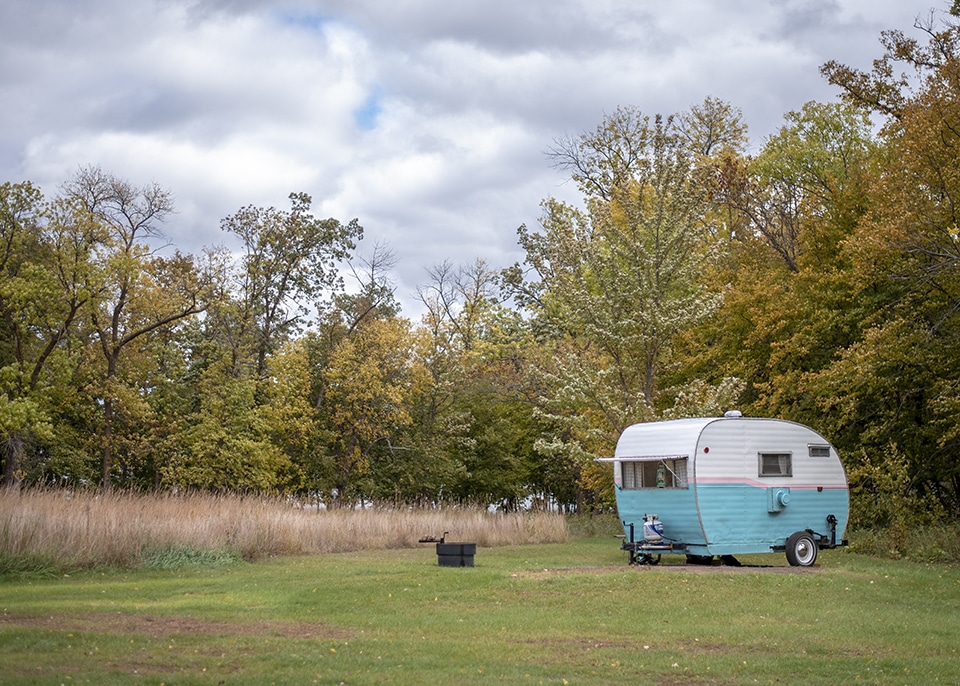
{"type": "Point", "coordinates": [425, 119]}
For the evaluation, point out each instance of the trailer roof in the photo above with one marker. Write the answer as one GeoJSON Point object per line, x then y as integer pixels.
{"type": "Point", "coordinates": [676, 437]}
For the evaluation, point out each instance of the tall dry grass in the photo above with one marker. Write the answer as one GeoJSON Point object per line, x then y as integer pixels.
{"type": "Point", "coordinates": [67, 530]}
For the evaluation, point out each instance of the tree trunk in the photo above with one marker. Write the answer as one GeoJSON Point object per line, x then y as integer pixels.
{"type": "Point", "coordinates": [13, 460]}
{"type": "Point", "coordinates": [107, 442]}
{"type": "Point", "coordinates": [648, 381]}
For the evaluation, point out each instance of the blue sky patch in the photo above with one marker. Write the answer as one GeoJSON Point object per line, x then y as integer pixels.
{"type": "Point", "coordinates": [312, 22]}
{"type": "Point", "coordinates": [366, 115]}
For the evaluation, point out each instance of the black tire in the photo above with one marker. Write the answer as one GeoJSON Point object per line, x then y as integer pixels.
{"type": "Point", "coordinates": [801, 549]}
{"type": "Point", "coordinates": [699, 559]}
{"type": "Point", "coordinates": [729, 561]}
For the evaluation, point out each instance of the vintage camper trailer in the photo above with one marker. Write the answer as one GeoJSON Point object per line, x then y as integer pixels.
{"type": "Point", "coordinates": [727, 485]}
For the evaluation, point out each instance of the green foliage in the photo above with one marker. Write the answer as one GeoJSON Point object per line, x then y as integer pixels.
{"type": "Point", "coordinates": [895, 514]}
{"type": "Point", "coordinates": [595, 526]}
{"type": "Point", "coordinates": [23, 415]}
{"type": "Point", "coordinates": [227, 446]}
{"type": "Point", "coordinates": [472, 419]}
{"type": "Point", "coordinates": [896, 382]}
{"type": "Point", "coordinates": [367, 385]}
{"type": "Point", "coordinates": [498, 465]}
{"type": "Point", "coordinates": [935, 543]}
{"type": "Point", "coordinates": [29, 566]}
{"type": "Point", "coordinates": [886, 497]}
{"type": "Point", "coordinates": [614, 284]}
{"type": "Point", "coordinates": [131, 296]}
{"type": "Point", "coordinates": [786, 308]}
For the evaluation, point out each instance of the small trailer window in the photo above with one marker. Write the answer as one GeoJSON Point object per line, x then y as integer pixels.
{"type": "Point", "coordinates": [819, 450]}
{"type": "Point", "coordinates": [775, 464]}
{"type": "Point", "coordinates": [658, 473]}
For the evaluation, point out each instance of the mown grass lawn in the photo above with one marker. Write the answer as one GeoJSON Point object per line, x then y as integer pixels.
{"type": "Point", "coordinates": [553, 614]}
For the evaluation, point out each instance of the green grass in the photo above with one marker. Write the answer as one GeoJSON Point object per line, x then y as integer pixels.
{"type": "Point", "coordinates": [571, 613]}
{"type": "Point", "coordinates": [180, 556]}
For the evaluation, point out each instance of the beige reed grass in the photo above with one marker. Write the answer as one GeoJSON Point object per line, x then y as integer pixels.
{"type": "Point", "coordinates": [82, 530]}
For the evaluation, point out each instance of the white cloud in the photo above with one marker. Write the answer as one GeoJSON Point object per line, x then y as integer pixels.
{"type": "Point", "coordinates": [426, 120]}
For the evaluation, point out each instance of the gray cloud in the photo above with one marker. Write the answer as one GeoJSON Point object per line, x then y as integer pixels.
{"type": "Point", "coordinates": [426, 120]}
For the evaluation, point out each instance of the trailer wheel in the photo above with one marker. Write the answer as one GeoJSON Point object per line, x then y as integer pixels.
{"type": "Point", "coordinates": [801, 549]}
{"type": "Point", "coordinates": [699, 559]}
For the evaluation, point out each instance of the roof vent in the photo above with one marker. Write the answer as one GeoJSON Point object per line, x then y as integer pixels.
{"type": "Point", "coordinates": [733, 413]}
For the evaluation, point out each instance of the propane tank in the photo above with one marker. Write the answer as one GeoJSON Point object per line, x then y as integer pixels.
{"type": "Point", "coordinates": [652, 529]}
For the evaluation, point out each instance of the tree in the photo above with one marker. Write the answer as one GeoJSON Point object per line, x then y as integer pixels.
{"type": "Point", "coordinates": [474, 415]}
{"type": "Point", "coordinates": [46, 253]}
{"type": "Point", "coordinates": [904, 258]}
{"type": "Point", "coordinates": [459, 299]}
{"type": "Point", "coordinates": [290, 259]}
{"type": "Point", "coordinates": [458, 304]}
{"type": "Point", "coordinates": [368, 382]}
{"type": "Point", "coordinates": [619, 281]}
{"type": "Point", "coordinates": [227, 445]}
{"type": "Point", "coordinates": [137, 292]}
{"type": "Point", "coordinates": [788, 306]}
{"type": "Point", "coordinates": [609, 288]}
{"type": "Point", "coordinates": [713, 127]}
{"type": "Point", "coordinates": [603, 160]}
{"type": "Point", "coordinates": [21, 282]}
{"type": "Point", "coordinates": [374, 296]}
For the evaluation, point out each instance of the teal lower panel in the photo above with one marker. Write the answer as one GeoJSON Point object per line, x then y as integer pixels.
{"type": "Point", "coordinates": [738, 518]}
{"type": "Point", "coordinates": [675, 507]}
{"type": "Point", "coordinates": [735, 518]}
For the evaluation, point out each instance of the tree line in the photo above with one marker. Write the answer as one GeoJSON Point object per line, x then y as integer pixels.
{"type": "Point", "coordinates": [817, 279]}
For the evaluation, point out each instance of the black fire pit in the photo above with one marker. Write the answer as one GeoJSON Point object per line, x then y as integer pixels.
{"type": "Point", "coordinates": [456, 554]}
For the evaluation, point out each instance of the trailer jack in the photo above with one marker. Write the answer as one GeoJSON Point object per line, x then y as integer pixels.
{"type": "Point", "coordinates": [828, 541]}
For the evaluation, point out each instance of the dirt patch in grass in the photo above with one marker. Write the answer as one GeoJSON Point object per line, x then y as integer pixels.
{"type": "Point", "coordinates": [717, 568]}
{"type": "Point", "coordinates": [579, 645]}
{"type": "Point", "coordinates": [680, 567]}
{"type": "Point", "coordinates": [159, 626]}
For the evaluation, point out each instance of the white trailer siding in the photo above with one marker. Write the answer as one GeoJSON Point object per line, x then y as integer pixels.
{"type": "Point", "coordinates": [743, 509]}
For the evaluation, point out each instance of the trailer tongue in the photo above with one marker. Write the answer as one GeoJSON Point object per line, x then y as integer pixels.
{"type": "Point", "coordinates": [649, 550]}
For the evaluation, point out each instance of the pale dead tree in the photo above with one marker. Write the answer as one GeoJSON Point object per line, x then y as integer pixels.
{"type": "Point", "coordinates": [460, 297]}
{"type": "Point", "coordinates": [712, 126]}
{"type": "Point", "coordinates": [605, 159]}
{"type": "Point", "coordinates": [376, 296]}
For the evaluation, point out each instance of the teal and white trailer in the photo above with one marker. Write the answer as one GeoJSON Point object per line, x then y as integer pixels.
{"type": "Point", "coordinates": [729, 485]}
